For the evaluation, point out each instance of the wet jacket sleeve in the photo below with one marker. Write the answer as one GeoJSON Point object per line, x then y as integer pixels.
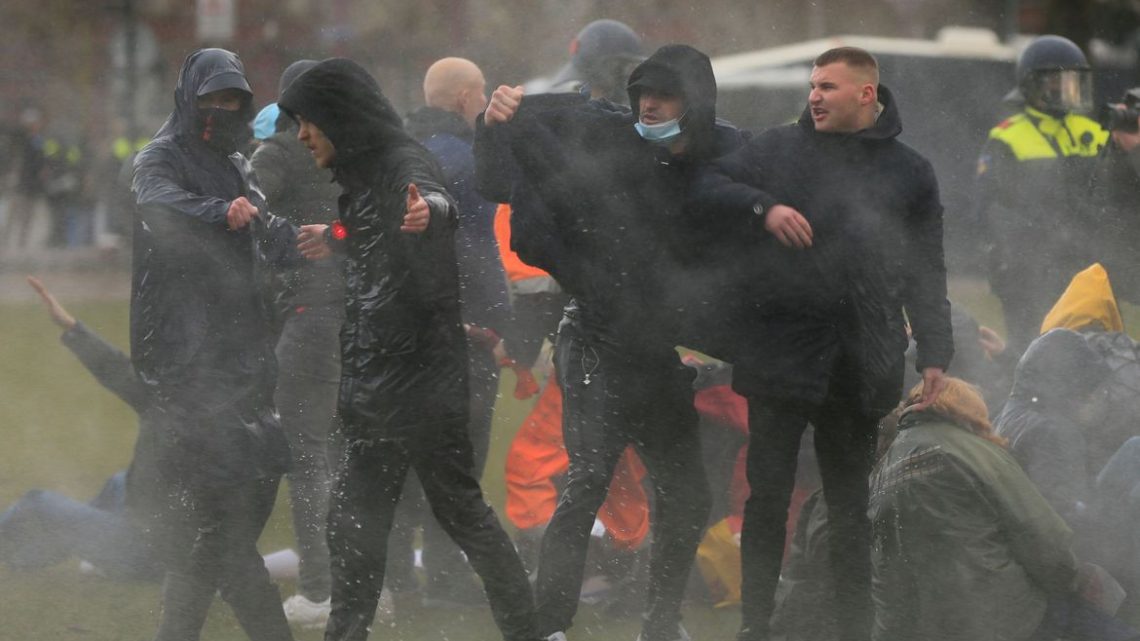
{"type": "Point", "coordinates": [157, 185]}
{"type": "Point", "coordinates": [724, 193]}
{"type": "Point", "coordinates": [1039, 538]}
{"type": "Point", "coordinates": [995, 213]}
{"type": "Point", "coordinates": [493, 168]}
{"type": "Point", "coordinates": [925, 295]}
{"type": "Point", "coordinates": [110, 366]}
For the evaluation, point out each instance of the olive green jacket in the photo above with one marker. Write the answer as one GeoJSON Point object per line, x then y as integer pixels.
{"type": "Point", "coordinates": [964, 546]}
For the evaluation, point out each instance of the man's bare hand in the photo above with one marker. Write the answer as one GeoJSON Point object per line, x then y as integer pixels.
{"type": "Point", "coordinates": [990, 341]}
{"type": "Point", "coordinates": [788, 226]}
{"type": "Point", "coordinates": [58, 314]}
{"type": "Point", "coordinates": [1125, 140]}
{"type": "Point", "coordinates": [241, 211]}
{"type": "Point", "coordinates": [503, 105]}
{"type": "Point", "coordinates": [933, 382]}
{"type": "Point", "coordinates": [311, 242]}
{"type": "Point", "coordinates": [418, 214]}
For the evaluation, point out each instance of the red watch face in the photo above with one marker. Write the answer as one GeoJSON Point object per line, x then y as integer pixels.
{"type": "Point", "coordinates": [339, 231]}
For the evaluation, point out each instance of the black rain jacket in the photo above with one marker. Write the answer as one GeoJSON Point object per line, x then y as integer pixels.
{"type": "Point", "coordinates": [612, 201]}
{"type": "Point", "coordinates": [201, 337]}
{"type": "Point", "coordinates": [799, 317]}
{"type": "Point", "coordinates": [404, 354]}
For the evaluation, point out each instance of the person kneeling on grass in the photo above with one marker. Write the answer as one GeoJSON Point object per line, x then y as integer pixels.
{"type": "Point", "coordinates": [964, 546]}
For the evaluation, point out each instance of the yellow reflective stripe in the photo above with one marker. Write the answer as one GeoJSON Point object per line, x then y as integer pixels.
{"type": "Point", "coordinates": [1023, 139]}
{"type": "Point", "coordinates": [51, 147]}
{"type": "Point", "coordinates": [1077, 136]}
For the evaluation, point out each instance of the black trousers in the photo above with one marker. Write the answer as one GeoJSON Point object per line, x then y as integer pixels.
{"type": "Point", "coordinates": [845, 449]}
{"type": "Point", "coordinates": [207, 538]}
{"type": "Point", "coordinates": [611, 400]}
{"type": "Point", "coordinates": [444, 567]}
{"type": "Point", "coordinates": [367, 488]}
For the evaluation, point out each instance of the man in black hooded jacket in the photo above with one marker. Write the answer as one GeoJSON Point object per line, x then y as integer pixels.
{"type": "Point", "coordinates": [210, 451]}
{"type": "Point", "coordinates": [403, 394]}
{"type": "Point", "coordinates": [610, 185]}
{"type": "Point", "coordinates": [842, 229]}
{"type": "Point", "coordinates": [311, 305]}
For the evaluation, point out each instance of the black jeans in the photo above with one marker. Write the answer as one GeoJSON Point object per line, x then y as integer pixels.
{"type": "Point", "coordinates": [208, 542]}
{"type": "Point", "coordinates": [444, 567]}
{"type": "Point", "coordinates": [845, 449]}
{"type": "Point", "coordinates": [611, 400]}
{"type": "Point", "coordinates": [367, 488]}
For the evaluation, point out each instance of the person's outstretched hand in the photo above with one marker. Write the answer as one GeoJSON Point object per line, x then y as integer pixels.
{"type": "Point", "coordinates": [418, 214]}
{"type": "Point", "coordinates": [59, 314]}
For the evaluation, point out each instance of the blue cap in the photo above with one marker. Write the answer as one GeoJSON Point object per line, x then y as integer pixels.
{"type": "Point", "coordinates": [265, 124]}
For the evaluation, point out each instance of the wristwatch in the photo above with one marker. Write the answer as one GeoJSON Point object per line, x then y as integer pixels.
{"type": "Point", "coordinates": [758, 209]}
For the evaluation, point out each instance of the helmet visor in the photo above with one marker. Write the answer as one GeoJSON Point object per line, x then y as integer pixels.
{"type": "Point", "coordinates": [1064, 90]}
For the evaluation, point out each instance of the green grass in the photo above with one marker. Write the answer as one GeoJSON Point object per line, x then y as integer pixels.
{"type": "Point", "coordinates": [62, 431]}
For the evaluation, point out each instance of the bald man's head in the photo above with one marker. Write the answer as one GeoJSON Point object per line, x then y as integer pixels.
{"type": "Point", "coordinates": [456, 85]}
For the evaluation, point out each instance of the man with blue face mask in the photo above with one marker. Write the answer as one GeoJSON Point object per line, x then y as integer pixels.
{"type": "Point", "coordinates": [607, 185]}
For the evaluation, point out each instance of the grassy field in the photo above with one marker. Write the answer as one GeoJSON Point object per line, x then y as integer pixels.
{"type": "Point", "coordinates": [62, 431]}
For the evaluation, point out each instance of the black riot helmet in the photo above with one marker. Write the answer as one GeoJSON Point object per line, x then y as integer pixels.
{"type": "Point", "coordinates": [1055, 77]}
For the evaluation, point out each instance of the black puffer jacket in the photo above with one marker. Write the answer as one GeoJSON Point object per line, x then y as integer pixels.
{"type": "Point", "coordinates": [615, 200]}
{"type": "Point", "coordinates": [797, 315]}
{"type": "Point", "coordinates": [201, 339]}
{"type": "Point", "coordinates": [404, 359]}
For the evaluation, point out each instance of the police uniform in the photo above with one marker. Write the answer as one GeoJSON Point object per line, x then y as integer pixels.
{"type": "Point", "coordinates": [1034, 177]}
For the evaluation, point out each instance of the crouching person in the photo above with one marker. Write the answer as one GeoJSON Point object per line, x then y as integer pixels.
{"type": "Point", "coordinates": [964, 546]}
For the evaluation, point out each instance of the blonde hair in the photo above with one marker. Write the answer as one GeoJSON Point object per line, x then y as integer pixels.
{"type": "Point", "coordinates": [961, 403]}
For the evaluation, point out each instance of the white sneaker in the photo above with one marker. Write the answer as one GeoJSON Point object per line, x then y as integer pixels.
{"type": "Point", "coordinates": [308, 615]}
{"type": "Point", "coordinates": [557, 636]}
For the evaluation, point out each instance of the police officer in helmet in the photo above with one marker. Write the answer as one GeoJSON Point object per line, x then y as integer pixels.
{"type": "Point", "coordinates": [1033, 181]}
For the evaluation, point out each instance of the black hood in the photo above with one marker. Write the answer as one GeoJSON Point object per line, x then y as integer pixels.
{"type": "Point", "coordinates": [1059, 367]}
{"type": "Point", "coordinates": [204, 71]}
{"type": "Point", "coordinates": [342, 99]}
{"type": "Point", "coordinates": [292, 72]}
{"type": "Point", "coordinates": [887, 126]}
{"type": "Point", "coordinates": [684, 71]}
{"type": "Point", "coordinates": [426, 122]}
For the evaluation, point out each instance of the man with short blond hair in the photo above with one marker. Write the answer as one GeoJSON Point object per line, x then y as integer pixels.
{"type": "Point", "coordinates": [842, 231]}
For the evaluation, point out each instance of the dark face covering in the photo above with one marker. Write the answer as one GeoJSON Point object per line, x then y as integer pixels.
{"type": "Point", "coordinates": [223, 129]}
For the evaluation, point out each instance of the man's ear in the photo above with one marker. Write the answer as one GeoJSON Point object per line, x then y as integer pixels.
{"type": "Point", "coordinates": [869, 94]}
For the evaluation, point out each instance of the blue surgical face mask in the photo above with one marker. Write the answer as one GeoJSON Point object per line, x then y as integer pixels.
{"type": "Point", "coordinates": [662, 133]}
